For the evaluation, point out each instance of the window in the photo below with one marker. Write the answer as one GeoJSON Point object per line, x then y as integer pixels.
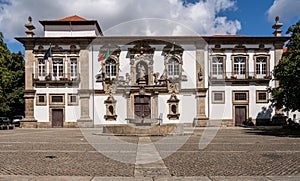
{"type": "Point", "coordinates": [262, 96]}
{"type": "Point", "coordinates": [58, 68]}
{"type": "Point", "coordinates": [110, 68]}
{"type": "Point", "coordinates": [173, 67]}
{"type": "Point", "coordinates": [72, 99]}
{"type": "Point", "coordinates": [73, 68]}
{"type": "Point", "coordinates": [217, 67]}
{"type": "Point", "coordinates": [218, 97]}
{"type": "Point", "coordinates": [240, 97]}
{"type": "Point", "coordinates": [57, 99]}
{"type": "Point", "coordinates": [239, 67]}
{"type": "Point", "coordinates": [261, 67]}
{"type": "Point", "coordinates": [41, 68]}
{"type": "Point", "coordinates": [41, 100]}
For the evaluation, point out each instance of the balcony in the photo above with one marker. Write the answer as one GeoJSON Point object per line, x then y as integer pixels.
{"type": "Point", "coordinates": [55, 79]}
{"type": "Point", "coordinates": [241, 77]}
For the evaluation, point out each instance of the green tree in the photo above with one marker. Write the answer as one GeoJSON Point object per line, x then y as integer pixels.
{"type": "Point", "coordinates": [12, 78]}
{"type": "Point", "coordinates": [287, 72]}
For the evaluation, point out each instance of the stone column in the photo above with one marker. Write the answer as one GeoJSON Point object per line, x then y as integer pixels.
{"type": "Point", "coordinates": [84, 92]}
{"type": "Point", "coordinates": [29, 93]}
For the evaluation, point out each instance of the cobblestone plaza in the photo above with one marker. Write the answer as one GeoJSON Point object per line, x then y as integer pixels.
{"type": "Point", "coordinates": [246, 153]}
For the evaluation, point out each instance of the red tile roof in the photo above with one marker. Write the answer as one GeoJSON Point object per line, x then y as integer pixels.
{"type": "Point", "coordinates": [72, 18]}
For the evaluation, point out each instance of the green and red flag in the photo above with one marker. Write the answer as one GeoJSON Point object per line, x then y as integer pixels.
{"type": "Point", "coordinates": [104, 56]}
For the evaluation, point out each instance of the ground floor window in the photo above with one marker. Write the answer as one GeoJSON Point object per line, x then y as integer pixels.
{"type": "Point", "coordinates": [218, 97]}
{"type": "Point", "coordinates": [261, 96]}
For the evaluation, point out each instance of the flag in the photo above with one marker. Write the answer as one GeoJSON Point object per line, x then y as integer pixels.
{"type": "Point", "coordinates": [48, 54]}
{"type": "Point", "coordinates": [104, 55]}
{"type": "Point", "coordinates": [172, 51]}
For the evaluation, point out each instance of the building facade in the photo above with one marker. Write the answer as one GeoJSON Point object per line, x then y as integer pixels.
{"type": "Point", "coordinates": [75, 76]}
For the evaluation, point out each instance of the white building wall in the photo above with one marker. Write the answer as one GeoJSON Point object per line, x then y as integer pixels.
{"type": "Point", "coordinates": [158, 64]}
{"type": "Point", "coordinates": [187, 108]}
{"type": "Point", "coordinates": [99, 109]}
{"type": "Point", "coordinates": [189, 69]}
{"type": "Point", "coordinates": [72, 112]}
{"type": "Point", "coordinates": [70, 31]}
{"type": "Point", "coordinates": [163, 107]}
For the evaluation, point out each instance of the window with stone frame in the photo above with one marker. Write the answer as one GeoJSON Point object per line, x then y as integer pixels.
{"type": "Point", "coordinates": [218, 97]}
{"type": "Point", "coordinates": [240, 97]}
{"type": "Point", "coordinates": [173, 67]}
{"type": "Point", "coordinates": [41, 100]}
{"type": "Point", "coordinates": [217, 67]}
{"type": "Point", "coordinates": [261, 66]}
{"type": "Point", "coordinates": [73, 68]}
{"type": "Point", "coordinates": [110, 68]}
{"type": "Point", "coordinates": [72, 99]}
{"type": "Point", "coordinates": [239, 66]}
{"type": "Point", "coordinates": [57, 68]}
{"type": "Point", "coordinates": [262, 96]}
{"type": "Point", "coordinates": [57, 99]}
{"type": "Point", "coordinates": [41, 68]}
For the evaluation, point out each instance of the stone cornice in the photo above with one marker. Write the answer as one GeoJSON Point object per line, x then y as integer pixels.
{"type": "Point", "coordinates": [199, 41]}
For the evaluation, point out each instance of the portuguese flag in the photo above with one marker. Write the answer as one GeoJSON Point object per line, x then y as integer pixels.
{"type": "Point", "coordinates": [104, 56]}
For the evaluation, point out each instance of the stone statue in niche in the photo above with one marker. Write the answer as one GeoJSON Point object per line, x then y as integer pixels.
{"type": "Point", "coordinates": [127, 79]}
{"type": "Point", "coordinates": [141, 71]}
{"type": "Point", "coordinates": [155, 75]}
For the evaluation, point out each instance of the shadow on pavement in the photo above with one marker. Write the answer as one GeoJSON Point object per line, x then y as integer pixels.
{"type": "Point", "coordinates": [277, 131]}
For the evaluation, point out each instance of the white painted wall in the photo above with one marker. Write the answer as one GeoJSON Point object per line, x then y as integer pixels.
{"type": "Point", "coordinates": [187, 108]}
{"type": "Point", "coordinates": [70, 31]}
{"type": "Point", "coordinates": [41, 113]}
{"type": "Point", "coordinates": [189, 69]}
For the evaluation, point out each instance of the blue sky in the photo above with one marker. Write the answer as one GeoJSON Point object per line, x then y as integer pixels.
{"type": "Point", "coordinates": [245, 17]}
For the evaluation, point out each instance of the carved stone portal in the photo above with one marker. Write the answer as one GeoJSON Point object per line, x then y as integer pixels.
{"type": "Point", "coordinates": [173, 107]}
{"type": "Point", "coordinates": [110, 103]}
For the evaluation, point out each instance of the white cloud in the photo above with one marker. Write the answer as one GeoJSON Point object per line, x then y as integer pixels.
{"type": "Point", "coordinates": [287, 10]}
{"type": "Point", "coordinates": [130, 17]}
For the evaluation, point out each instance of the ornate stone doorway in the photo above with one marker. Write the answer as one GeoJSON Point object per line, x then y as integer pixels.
{"type": "Point", "coordinates": [142, 107]}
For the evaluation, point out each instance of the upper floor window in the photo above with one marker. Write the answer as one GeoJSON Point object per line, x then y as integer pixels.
{"type": "Point", "coordinates": [41, 68]}
{"type": "Point", "coordinates": [73, 68]}
{"type": "Point", "coordinates": [110, 68]}
{"type": "Point", "coordinates": [261, 67]}
{"type": "Point", "coordinates": [239, 66]}
{"type": "Point", "coordinates": [217, 67]}
{"type": "Point", "coordinates": [173, 67]}
{"type": "Point", "coordinates": [58, 68]}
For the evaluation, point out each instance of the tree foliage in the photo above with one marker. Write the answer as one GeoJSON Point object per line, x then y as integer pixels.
{"type": "Point", "coordinates": [12, 78]}
{"type": "Point", "coordinates": [287, 72]}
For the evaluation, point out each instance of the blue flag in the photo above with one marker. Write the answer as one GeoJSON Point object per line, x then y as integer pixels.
{"type": "Point", "coordinates": [48, 54]}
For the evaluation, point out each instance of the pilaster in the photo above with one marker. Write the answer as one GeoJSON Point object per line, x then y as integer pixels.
{"type": "Point", "coordinates": [84, 92]}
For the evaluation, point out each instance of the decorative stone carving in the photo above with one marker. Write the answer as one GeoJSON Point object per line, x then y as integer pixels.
{"type": "Point", "coordinates": [200, 75]}
{"type": "Point", "coordinates": [110, 104]}
{"type": "Point", "coordinates": [173, 107]}
{"type": "Point", "coordinates": [128, 79]}
{"type": "Point", "coordinates": [155, 75]}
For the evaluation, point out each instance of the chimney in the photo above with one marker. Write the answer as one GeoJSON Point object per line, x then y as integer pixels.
{"type": "Point", "coordinates": [276, 26]}
{"type": "Point", "coordinates": [29, 27]}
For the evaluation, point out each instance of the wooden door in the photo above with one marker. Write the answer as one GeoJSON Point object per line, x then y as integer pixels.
{"type": "Point", "coordinates": [142, 107]}
{"type": "Point", "coordinates": [240, 115]}
{"type": "Point", "coordinates": [57, 118]}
